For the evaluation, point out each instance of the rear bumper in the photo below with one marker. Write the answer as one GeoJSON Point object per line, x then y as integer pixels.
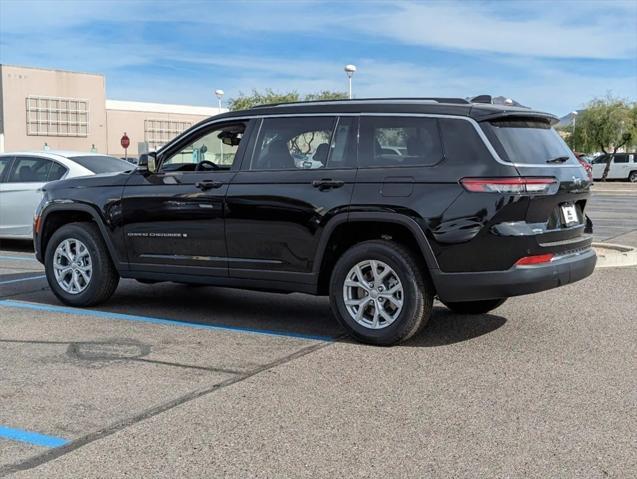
{"type": "Point", "coordinates": [515, 281]}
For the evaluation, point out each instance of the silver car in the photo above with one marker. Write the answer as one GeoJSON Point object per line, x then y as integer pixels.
{"type": "Point", "coordinates": [623, 166]}
{"type": "Point", "coordinates": [22, 174]}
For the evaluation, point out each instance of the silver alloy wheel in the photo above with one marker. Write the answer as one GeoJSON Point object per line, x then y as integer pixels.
{"type": "Point", "coordinates": [633, 177]}
{"type": "Point", "coordinates": [72, 266]}
{"type": "Point", "coordinates": [373, 294]}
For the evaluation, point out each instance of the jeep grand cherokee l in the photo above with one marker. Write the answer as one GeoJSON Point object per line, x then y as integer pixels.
{"type": "Point", "coordinates": [380, 204]}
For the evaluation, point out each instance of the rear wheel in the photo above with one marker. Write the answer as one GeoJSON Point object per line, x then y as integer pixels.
{"type": "Point", "coordinates": [632, 177]}
{"type": "Point", "coordinates": [78, 267]}
{"type": "Point", "coordinates": [379, 294]}
{"type": "Point", "coordinates": [474, 307]}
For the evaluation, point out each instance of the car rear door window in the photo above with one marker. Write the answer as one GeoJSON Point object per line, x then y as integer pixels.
{"type": "Point", "coordinates": [399, 141]}
{"type": "Point", "coordinates": [56, 172]}
{"type": "Point", "coordinates": [620, 159]}
{"type": "Point", "coordinates": [30, 170]}
{"type": "Point", "coordinates": [102, 163]}
{"type": "Point", "coordinates": [293, 143]}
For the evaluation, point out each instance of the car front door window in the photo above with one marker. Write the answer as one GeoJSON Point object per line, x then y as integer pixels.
{"type": "Point", "coordinates": [5, 163]}
{"type": "Point", "coordinates": [216, 150]}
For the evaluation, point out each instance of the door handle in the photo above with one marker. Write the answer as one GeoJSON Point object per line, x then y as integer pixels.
{"type": "Point", "coordinates": [327, 183]}
{"type": "Point", "coordinates": [208, 184]}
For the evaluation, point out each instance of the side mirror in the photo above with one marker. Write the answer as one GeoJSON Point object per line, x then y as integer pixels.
{"type": "Point", "coordinates": [147, 162]}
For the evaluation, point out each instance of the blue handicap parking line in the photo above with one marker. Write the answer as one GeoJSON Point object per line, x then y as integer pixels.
{"type": "Point", "coordinates": [34, 438]}
{"type": "Point", "coordinates": [30, 278]}
{"type": "Point", "coordinates": [19, 258]}
{"type": "Point", "coordinates": [161, 321]}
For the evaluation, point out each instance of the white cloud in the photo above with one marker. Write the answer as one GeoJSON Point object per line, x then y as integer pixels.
{"type": "Point", "coordinates": [558, 29]}
{"type": "Point", "coordinates": [488, 28]}
{"type": "Point", "coordinates": [519, 51]}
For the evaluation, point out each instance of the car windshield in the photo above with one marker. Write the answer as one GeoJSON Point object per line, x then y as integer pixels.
{"type": "Point", "coordinates": [531, 142]}
{"type": "Point", "coordinates": [102, 163]}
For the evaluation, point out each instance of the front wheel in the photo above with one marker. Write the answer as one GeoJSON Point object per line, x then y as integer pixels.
{"type": "Point", "coordinates": [474, 307]}
{"type": "Point", "coordinates": [379, 294]}
{"type": "Point", "coordinates": [78, 267]}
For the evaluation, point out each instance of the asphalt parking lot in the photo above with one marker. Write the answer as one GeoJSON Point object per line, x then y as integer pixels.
{"type": "Point", "coordinates": [172, 381]}
{"type": "Point", "coordinates": [613, 210]}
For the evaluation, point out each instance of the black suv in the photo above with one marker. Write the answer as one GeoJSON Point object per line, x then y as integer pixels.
{"type": "Point", "coordinates": [381, 204]}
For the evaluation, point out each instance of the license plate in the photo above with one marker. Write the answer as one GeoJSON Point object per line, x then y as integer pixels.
{"type": "Point", "coordinates": [569, 215]}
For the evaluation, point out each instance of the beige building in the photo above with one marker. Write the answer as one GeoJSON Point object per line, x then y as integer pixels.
{"type": "Point", "coordinates": [63, 110]}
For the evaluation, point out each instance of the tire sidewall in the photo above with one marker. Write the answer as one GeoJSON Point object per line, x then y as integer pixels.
{"type": "Point", "coordinates": [412, 295]}
{"type": "Point", "coordinates": [86, 237]}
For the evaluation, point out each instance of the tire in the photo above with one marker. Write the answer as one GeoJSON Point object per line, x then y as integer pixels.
{"type": "Point", "coordinates": [405, 277]}
{"type": "Point", "coordinates": [475, 307]}
{"type": "Point", "coordinates": [83, 238]}
{"type": "Point", "coordinates": [632, 177]}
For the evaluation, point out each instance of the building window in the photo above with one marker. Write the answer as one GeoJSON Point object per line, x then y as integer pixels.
{"type": "Point", "coordinates": [159, 132]}
{"type": "Point", "coordinates": [55, 116]}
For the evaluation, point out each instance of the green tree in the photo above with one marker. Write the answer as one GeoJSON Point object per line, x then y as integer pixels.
{"type": "Point", "coordinates": [326, 95]}
{"type": "Point", "coordinates": [244, 102]}
{"type": "Point", "coordinates": [607, 124]}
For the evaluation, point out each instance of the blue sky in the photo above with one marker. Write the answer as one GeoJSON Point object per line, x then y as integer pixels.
{"type": "Point", "coordinates": [554, 56]}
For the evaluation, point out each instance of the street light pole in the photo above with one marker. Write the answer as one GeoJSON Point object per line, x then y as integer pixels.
{"type": "Point", "coordinates": [219, 94]}
{"type": "Point", "coordinates": [350, 70]}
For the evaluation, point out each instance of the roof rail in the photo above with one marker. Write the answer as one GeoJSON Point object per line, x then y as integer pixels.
{"type": "Point", "coordinates": [459, 101]}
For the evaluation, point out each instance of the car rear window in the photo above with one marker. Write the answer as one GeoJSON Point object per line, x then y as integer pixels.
{"type": "Point", "coordinates": [102, 164]}
{"type": "Point", "coordinates": [530, 142]}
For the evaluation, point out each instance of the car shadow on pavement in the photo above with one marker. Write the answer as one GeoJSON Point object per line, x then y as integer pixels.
{"type": "Point", "coordinates": [285, 313]}
{"type": "Point", "coordinates": [445, 327]}
{"type": "Point", "coordinates": [18, 246]}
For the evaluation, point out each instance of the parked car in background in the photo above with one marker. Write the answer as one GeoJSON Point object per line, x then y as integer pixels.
{"type": "Point", "coordinates": [23, 174]}
{"type": "Point", "coordinates": [623, 166]}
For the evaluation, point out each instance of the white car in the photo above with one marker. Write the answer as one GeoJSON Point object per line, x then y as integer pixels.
{"type": "Point", "coordinates": [623, 166]}
{"type": "Point", "coordinates": [22, 174]}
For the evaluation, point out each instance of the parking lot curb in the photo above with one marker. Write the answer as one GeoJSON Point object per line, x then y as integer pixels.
{"type": "Point", "coordinates": [615, 255]}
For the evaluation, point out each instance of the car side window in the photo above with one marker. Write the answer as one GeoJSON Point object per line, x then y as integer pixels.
{"type": "Point", "coordinates": [30, 170]}
{"type": "Point", "coordinates": [56, 172]}
{"type": "Point", "coordinates": [399, 141]}
{"type": "Point", "coordinates": [5, 163]}
{"type": "Point", "coordinates": [293, 143]}
{"type": "Point", "coordinates": [620, 159]}
{"type": "Point", "coordinates": [215, 150]}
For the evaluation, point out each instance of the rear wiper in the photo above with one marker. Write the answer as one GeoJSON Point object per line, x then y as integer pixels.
{"type": "Point", "coordinates": [559, 159]}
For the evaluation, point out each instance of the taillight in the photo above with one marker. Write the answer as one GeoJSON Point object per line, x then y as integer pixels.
{"type": "Point", "coordinates": [535, 259]}
{"type": "Point", "coordinates": [517, 186]}
{"type": "Point", "coordinates": [587, 167]}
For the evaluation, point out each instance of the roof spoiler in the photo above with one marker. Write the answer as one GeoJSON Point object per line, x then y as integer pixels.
{"type": "Point", "coordinates": [520, 115]}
